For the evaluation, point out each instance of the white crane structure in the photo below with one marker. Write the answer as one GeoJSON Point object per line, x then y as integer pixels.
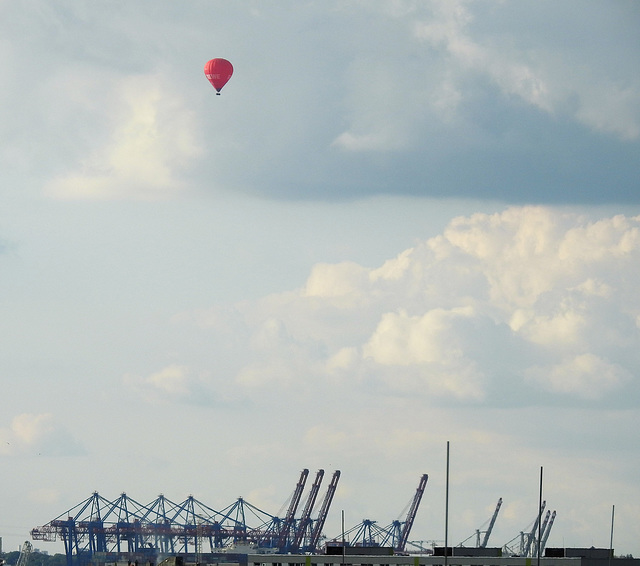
{"type": "Point", "coordinates": [529, 540]}
{"type": "Point", "coordinates": [483, 543]}
{"type": "Point", "coordinates": [487, 533]}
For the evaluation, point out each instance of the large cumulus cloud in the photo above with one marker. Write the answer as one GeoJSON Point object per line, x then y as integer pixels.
{"type": "Point", "coordinates": [509, 307]}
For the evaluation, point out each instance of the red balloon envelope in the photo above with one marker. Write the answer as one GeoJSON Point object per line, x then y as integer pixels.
{"type": "Point", "coordinates": [218, 71]}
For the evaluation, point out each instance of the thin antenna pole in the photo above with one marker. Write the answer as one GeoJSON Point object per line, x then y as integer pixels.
{"type": "Point", "coordinates": [343, 551]}
{"type": "Point", "coordinates": [539, 517]}
{"type": "Point", "coordinates": [613, 512]}
{"type": "Point", "coordinates": [446, 512]}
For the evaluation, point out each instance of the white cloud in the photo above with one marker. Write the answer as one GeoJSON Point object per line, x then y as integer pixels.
{"type": "Point", "coordinates": [38, 435]}
{"type": "Point", "coordinates": [586, 376]}
{"type": "Point", "coordinates": [610, 108]}
{"type": "Point", "coordinates": [343, 280]}
{"type": "Point", "coordinates": [558, 329]}
{"type": "Point", "coordinates": [394, 107]}
{"type": "Point", "coordinates": [343, 360]}
{"type": "Point", "coordinates": [152, 139]}
{"type": "Point", "coordinates": [533, 73]}
{"type": "Point", "coordinates": [431, 343]}
{"type": "Point", "coordinates": [363, 142]}
{"type": "Point", "coordinates": [174, 383]}
{"type": "Point", "coordinates": [496, 296]}
{"type": "Point", "coordinates": [171, 380]}
{"type": "Point", "coordinates": [610, 238]}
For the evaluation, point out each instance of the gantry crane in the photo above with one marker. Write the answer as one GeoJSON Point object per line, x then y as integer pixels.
{"type": "Point", "coordinates": [483, 543]}
{"type": "Point", "coordinates": [322, 514]}
{"type": "Point", "coordinates": [291, 512]}
{"type": "Point", "coordinates": [366, 533]}
{"type": "Point", "coordinates": [532, 534]}
{"type": "Point", "coordinates": [487, 534]}
{"type": "Point", "coordinates": [411, 515]}
{"type": "Point", "coordinates": [124, 526]}
{"type": "Point", "coordinates": [305, 519]}
{"type": "Point", "coordinates": [545, 529]}
{"type": "Point", "coordinates": [529, 540]}
{"type": "Point", "coordinates": [545, 532]}
{"type": "Point", "coordinates": [396, 535]}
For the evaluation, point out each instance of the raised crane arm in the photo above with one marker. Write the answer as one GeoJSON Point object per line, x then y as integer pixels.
{"type": "Point", "coordinates": [411, 515]}
{"type": "Point", "coordinates": [532, 535]}
{"type": "Point", "coordinates": [291, 512]}
{"type": "Point", "coordinates": [543, 528]}
{"type": "Point", "coordinates": [324, 511]}
{"type": "Point", "coordinates": [545, 534]}
{"type": "Point", "coordinates": [306, 512]}
{"type": "Point", "coordinates": [490, 527]}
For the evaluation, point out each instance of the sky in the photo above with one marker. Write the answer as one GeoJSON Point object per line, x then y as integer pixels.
{"type": "Point", "coordinates": [402, 224]}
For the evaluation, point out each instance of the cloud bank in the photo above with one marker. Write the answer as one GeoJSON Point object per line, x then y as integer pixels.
{"type": "Point", "coordinates": [514, 307]}
{"type": "Point", "coordinates": [438, 99]}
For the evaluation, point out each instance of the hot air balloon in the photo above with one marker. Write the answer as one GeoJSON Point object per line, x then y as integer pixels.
{"type": "Point", "coordinates": [218, 71]}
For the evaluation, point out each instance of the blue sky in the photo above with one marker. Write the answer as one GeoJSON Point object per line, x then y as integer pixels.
{"type": "Point", "coordinates": [401, 223]}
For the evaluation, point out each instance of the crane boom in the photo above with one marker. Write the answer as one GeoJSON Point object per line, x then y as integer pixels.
{"type": "Point", "coordinates": [532, 535]}
{"type": "Point", "coordinates": [306, 512]}
{"type": "Point", "coordinates": [543, 528]}
{"type": "Point", "coordinates": [545, 533]}
{"type": "Point", "coordinates": [490, 527]}
{"type": "Point", "coordinates": [293, 507]}
{"type": "Point", "coordinates": [411, 515]}
{"type": "Point", "coordinates": [324, 511]}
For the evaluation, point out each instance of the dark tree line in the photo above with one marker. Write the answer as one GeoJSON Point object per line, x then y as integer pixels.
{"type": "Point", "coordinates": [36, 559]}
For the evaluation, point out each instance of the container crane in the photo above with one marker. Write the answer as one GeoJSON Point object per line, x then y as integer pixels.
{"type": "Point", "coordinates": [396, 535]}
{"type": "Point", "coordinates": [126, 526]}
{"type": "Point", "coordinates": [487, 534]}
{"type": "Point", "coordinates": [367, 533]}
{"type": "Point", "coordinates": [305, 518]}
{"type": "Point", "coordinates": [324, 511]}
{"type": "Point", "coordinates": [421, 548]}
{"type": "Point", "coordinates": [543, 528]}
{"type": "Point", "coordinates": [293, 507]}
{"type": "Point", "coordinates": [532, 535]}
{"type": "Point", "coordinates": [545, 532]}
{"type": "Point", "coordinates": [483, 543]}
{"type": "Point", "coordinates": [528, 540]}
{"type": "Point", "coordinates": [411, 515]}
